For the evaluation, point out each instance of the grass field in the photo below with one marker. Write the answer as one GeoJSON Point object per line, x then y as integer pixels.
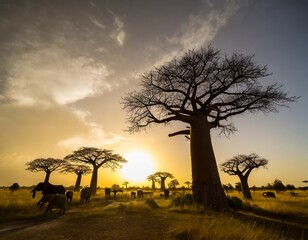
{"type": "Point", "coordinates": [154, 218]}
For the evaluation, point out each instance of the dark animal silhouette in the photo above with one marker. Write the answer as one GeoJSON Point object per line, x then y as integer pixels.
{"type": "Point", "coordinates": [54, 201]}
{"type": "Point", "coordinates": [107, 193]}
{"type": "Point", "coordinates": [48, 188]}
{"type": "Point", "coordinates": [139, 194]}
{"type": "Point", "coordinates": [166, 193]}
{"type": "Point", "coordinates": [269, 194]}
{"type": "Point", "coordinates": [115, 192]}
{"type": "Point", "coordinates": [69, 196]}
{"type": "Point", "coordinates": [133, 194]}
{"type": "Point", "coordinates": [85, 195]}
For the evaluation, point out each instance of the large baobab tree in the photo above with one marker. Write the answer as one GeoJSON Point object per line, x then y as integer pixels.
{"type": "Point", "coordinates": [79, 170]}
{"type": "Point", "coordinates": [153, 179]}
{"type": "Point", "coordinates": [242, 165]}
{"type": "Point", "coordinates": [97, 158]}
{"type": "Point", "coordinates": [48, 165]}
{"type": "Point", "coordinates": [203, 89]}
{"type": "Point", "coordinates": [163, 176]}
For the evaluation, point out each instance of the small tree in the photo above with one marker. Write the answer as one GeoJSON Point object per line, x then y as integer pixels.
{"type": "Point", "coordinates": [125, 184]}
{"type": "Point", "coordinates": [97, 158]}
{"type": "Point", "coordinates": [278, 186]}
{"type": "Point", "coordinates": [188, 183]}
{"type": "Point", "coordinates": [79, 170]}
{"type": "Point", "coordinates": [173, 183]}
{"type": "Point", "coordinates": [153, 179]}
{"type": "Point", "coordinates": [163, 176]}
{"type": "Point", "coordinates": [290, 187]}
{"type": "Point", "coordinates": [242, 165]}
{"type": "Point", "coordinates": [204, 89]}
{"type": "Point", "coordinates": [14, 187]}
{"type": "Point", "coordinates": [48, 165]}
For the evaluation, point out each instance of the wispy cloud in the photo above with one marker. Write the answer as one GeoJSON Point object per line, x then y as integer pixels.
{"type": "Point", "coordinates": [118, 34]}
{"type": "Point", "coordinates": [50, 76]}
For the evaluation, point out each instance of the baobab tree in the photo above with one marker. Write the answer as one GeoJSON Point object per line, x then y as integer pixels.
{"type": "Point", "coordinates": [153, 179]}
{"type": "Point", "coordinates": [242, 165]}
{"type": "Point", "coordinates": [125, 183]}
{"type": "Point", "coordinates": [48, 165]}
{"type": "Point", "coordinates": [203, 89]}
{"type": "Point", "coordinates": [188, 183]}
{"type": "Point", "coordinates": [79, 170]}
{"type": "Point", "coordinates": [173, 183]}
{"type": "Point", "coordinates": [97, 158]}
{"type": "Point", "coordinates": [163, 176]}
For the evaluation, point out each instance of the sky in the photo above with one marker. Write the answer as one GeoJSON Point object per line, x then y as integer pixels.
{"type": "Point", "coordinates": [66, 65]}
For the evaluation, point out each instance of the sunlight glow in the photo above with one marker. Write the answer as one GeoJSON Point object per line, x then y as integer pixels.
{"type": "Point", "coordinates": [139, 165]}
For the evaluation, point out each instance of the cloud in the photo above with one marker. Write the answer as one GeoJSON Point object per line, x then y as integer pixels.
{"type": "Point", "coordinates": [118, 34]}
{"type": "Point", "coordinates": [51, 76]}
{"type": "Point", "coordinates": [95, 137]}
{"type": "Point", "coordinates": [96, 22]}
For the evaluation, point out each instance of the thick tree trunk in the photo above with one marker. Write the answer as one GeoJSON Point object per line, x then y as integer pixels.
{"type": "Point", "coordinates": [153, 185]}
{"type": "Point", "coordinates": [245, 188]}
{"type": "Point", "coordinates": [93, 184]}
{"type": "Point", "coordinates": [162, 184]}
{"type": "Point", "coordinates": [78, 181]}
{"type": "Point", "coordinates": [207, 188]}
{"type": "Point", "coordinates": [47, 177]}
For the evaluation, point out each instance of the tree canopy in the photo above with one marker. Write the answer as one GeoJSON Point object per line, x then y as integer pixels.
{"type": "Point", "coordinates": [163, 176]}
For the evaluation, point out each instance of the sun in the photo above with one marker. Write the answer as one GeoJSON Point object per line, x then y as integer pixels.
{"type": "Point", "coordinates": [139, 165]}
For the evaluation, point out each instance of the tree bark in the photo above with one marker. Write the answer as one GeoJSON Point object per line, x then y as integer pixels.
{"type": "Point", "coordinates": [207, 188]}
{"type": "Point", "coordinates": [78, 181]}
{"type": "Point", "coordinates": [47, 177]}
{"type": "Point", "coordinates": [93, 184]}
{"type": "Point", "coordinates": [162, 185]}
{"type": "Point", "coordinates": [245, 187]}
{"type": "Point", "coordinates": [153, 185]}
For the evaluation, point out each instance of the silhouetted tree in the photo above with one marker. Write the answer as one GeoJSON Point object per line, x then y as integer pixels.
{"type": "Point", "coordinates": [173, 183]}
{"type": "Point", "coordinates": [14, 187]}
{"type": "Point", "coordinates": [242, 165]}
{"type": "Point", "coordinates": [290, 187]}
{"type": "Point", "coordinates": [115, 186]}
{"type": "Point", "coordinates": [153, 179]}
{"type": "Point", "coordinates": [203, 89]}
{"type": "Point", "coordinates": [227, 187]}
{"type": "Point", "coordinates": [238, 186]}
{"type": "Point", "coordinates": [278, 186]}
{"type": "Point", "coordinates": [125, 184]}
{"type": "Point", "coordinates": [163, 176]}
{"type": "Point", "coordinates": [97, 158]}
{"type": "Point", "coordinates": [48, 165]}
{"type": "Point", "coordinates": [79, 170]}
{"type": "Point", "coordinates": [188, 183]}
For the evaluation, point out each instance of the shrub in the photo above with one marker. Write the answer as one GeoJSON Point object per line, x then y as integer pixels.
{"type": "Point", "coordinates": [151, 203]}
{"type": "Point", "coordinates": [184, 200]}
{"type": "Point", "coordinates": [234, 203]}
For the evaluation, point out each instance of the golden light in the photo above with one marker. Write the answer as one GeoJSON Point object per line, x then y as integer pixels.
{"type": "Point", "coordinates": [139, 165]}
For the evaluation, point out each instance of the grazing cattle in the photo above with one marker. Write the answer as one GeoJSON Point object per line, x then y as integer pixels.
{"type": "Point", "coordinates": [107, 193]}
{"type": "Point", "coordinates": [69, 196]}
{"type": "Point", "coordinates": [54, 201]}
{"type": "Point", "coordinates": [115, 192]}
{"type": "Point", "coordinates": [269, 195]}
{"type": "Point", "coordinates": [85, 195]}
{"type": "Point", "coordinates": [166, 193]}
{"type": "Point", "coordinates": [133, 194]}
{"type": "Point", "coordinates": [139, 194]}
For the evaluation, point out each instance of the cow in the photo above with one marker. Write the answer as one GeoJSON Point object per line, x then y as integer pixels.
{"type": "Point", "coordinates": [139, 194]}
{"type": "Point", "coordinates": [85, 195]}
{"type": "Point", "coordinates": [269, 195]}
{"type": "Point", "coordinates": [115, 192]}
{"type": "Point", "coordinates": [107, 193]}
{"type": "Point", "coordinates": [133, 194]}
{"type": "Point", "coordinates": [69, 196]}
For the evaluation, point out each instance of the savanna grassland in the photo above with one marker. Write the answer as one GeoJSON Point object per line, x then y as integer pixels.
{"type": "Point", "coordinates": [285, 217]}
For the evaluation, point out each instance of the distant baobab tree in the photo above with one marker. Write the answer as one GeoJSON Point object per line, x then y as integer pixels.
{"type": "Point", "coordinates": [188, 183]}
{"type": "Point", "coordinates": [204, 89]}
{"type": "Point", "coordinates": [125, 183]}
{"type": "Point", "coordinates": [163, 176]}
{"type": "Point", "coordinates": [241, 166]}
{"type": "Point", "coordinates": [79, 170]}
{"type": "Point", "coordinates": [48, 165]}
{"type": "Point", "coordinates": [173, 183]}
{"type": "Point", "coordinates": [97, 158]}
{"type": "Point", "coordinates": [153, 178]}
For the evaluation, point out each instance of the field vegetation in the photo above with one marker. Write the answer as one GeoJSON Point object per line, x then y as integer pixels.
{"type": "Point", "coordinates": [155, 218]}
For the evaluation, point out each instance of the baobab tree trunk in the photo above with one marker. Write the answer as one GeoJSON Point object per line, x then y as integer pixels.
{"type": "Point", "coordinates": [206, 185]}
{"type": "Point", "coordinates": [245, 187]}
{"type": "Point", "coordinates": [162, 184]}
{"type": "Point", "coordinates": [78, 181]}
{"type": "Point", "coordinates": [153, 185]}
{"type": "Point", "coordinates": [47, 177]}
{"type": "Point", "coordinates": [93, 184]}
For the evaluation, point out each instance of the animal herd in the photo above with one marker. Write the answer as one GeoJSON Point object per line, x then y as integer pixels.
{"type": "Point", "coordinates": [57, 197]}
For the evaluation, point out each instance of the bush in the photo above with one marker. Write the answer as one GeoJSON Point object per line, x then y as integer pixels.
{"type": "Point", "coordinates": [184, 200]}
{"type": "Point", "coordinates": [151, 203]}
{"type": "Point", "coordinates": [234, 203]}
